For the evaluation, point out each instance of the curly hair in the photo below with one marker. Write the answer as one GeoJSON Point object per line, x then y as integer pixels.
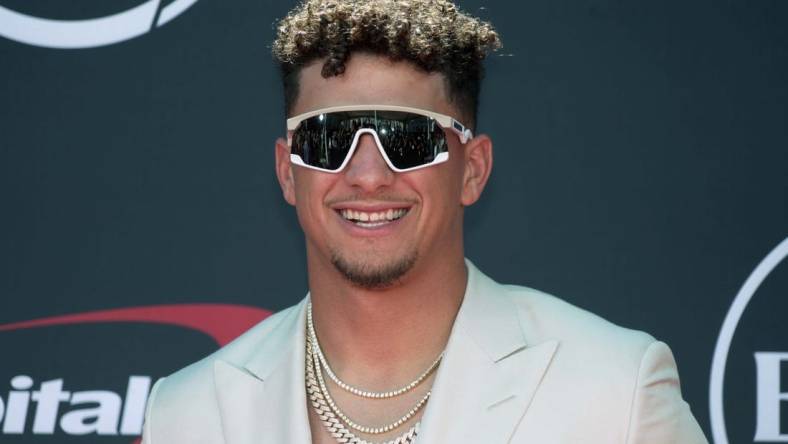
{"type": "Point", "coordinates": [434, 35]}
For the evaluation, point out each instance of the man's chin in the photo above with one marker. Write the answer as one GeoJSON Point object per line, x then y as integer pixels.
{"type": "Point", "coordinates": [373, 274]}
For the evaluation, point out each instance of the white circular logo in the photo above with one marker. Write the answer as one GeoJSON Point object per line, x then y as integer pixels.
{"type": "Point", "coordinates": [768, 427]}
{"type": "Point", "coordinates": [75, 34]}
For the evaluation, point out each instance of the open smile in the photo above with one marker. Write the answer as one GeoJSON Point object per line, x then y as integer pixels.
{"type": "Point", "coordinates": [372, 219]}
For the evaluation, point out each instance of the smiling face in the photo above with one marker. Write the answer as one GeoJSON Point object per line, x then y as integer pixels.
{"type": "Point", "coordinates": [372, 225]}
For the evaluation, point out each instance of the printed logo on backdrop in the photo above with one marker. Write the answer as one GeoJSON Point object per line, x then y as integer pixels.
{"type": "Point", "coordinates": [765, 360]}
{"type": "Point", "coordinates": [48, 407]}
{"type": "Point", "coordinates": [89, 33]}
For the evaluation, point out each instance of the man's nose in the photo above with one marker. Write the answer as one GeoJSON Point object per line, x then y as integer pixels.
{"type": "Point", "coordinates": [367, 168]}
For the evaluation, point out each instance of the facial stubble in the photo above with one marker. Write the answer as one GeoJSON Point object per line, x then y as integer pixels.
{"type": "Point", "coordinates": [373, 276]}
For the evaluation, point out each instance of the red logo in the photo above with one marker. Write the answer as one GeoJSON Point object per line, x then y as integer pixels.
{"type": "Point", "coordinates": [221, 322]}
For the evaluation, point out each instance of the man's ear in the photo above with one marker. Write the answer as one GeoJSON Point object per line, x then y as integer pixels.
{"type": "Point", "coordinates": [284, 171]}
{"type": "Point", "coordinates": [478, 165]}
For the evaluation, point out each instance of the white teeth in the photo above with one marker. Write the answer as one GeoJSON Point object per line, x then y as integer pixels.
{"type": "Point", "coordinates": [373, 219]}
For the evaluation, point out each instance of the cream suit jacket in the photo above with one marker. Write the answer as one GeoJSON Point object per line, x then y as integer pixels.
{"type": "Point", "coordinates": [520, 367]}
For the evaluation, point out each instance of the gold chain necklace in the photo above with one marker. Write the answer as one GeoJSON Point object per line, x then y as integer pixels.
{"type": "Point", "coordinates": [356, 391]}
{"type": "Point", "coordinates": [332, 416]}
{"type": "Point", "coordinates": [332, 424]}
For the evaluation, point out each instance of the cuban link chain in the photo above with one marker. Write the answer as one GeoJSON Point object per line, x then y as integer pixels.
{"type": "Point", "coordinates": [333, 425]}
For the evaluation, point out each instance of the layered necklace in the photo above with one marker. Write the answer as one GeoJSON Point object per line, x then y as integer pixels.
{"type": "Point", "coordinates": [337, 423]}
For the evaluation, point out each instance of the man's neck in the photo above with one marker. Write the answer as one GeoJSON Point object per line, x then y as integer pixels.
{"type": "Point", "coordinates": [381, 339]}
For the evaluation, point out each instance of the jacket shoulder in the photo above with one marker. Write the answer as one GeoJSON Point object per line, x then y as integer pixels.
{"type": "Point", "coordinates": [595, 357]}
{"type": "Point", "coordinates": [545, 316]}
{"type": "Point", "coordinates": [182, 407]}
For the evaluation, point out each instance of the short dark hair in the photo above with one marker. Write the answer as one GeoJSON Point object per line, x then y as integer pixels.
{"type": "Point", "coordinates": [434, 35]}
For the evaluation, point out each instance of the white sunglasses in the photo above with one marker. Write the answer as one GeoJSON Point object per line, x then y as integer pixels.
{"type": "Point", "coordinates": [407, 138]}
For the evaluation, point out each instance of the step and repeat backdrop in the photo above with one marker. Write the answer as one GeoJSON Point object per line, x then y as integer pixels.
{"type": "Point", "coordinates": [641, 173]}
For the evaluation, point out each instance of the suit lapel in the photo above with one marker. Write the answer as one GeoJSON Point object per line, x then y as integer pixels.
{"type": "Point", "coordinates": [484, 385]}
{"type": "Point", "coordinates": [264, 400]}
{"type": "Point", "coordinates": [489, 373]}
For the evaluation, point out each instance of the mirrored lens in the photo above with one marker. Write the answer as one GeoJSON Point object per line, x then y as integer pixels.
{"type": "Point", "coordinates": [409, 140]}
{"type": "Point", "coordinates": [322, 141]}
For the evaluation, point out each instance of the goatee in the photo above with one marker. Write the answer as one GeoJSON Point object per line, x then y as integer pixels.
{"type": "Point", "coordinates": [373, 277]}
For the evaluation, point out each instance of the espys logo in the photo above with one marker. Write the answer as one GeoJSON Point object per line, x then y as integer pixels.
{"type": "Point", "coordinates": [756, 379]}
{"type": "Point", "coordinates": [89, 33]}
{"type": "Point", "coordinates": [105, 412]}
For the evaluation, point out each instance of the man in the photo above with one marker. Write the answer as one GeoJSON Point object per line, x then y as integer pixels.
{"type": "Point", "coordinates": [400, 338]}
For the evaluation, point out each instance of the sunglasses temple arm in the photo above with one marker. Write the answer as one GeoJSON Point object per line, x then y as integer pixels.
{"type": "Point", "coordinates": [464, 133]}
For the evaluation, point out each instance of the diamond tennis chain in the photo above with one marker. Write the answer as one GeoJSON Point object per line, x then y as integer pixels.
{"type": "Point", "coordinates": [354, 390]}
{"type": "Point", "coordinates": [333, 417]}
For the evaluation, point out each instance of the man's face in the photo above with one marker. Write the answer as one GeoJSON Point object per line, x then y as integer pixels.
{"type": "Point", "coordinates": [377, 252]}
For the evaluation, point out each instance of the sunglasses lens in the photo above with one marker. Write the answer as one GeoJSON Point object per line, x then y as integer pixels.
{"type": "Point", "coordinates": [322, 141]}
{"type": "Point", "coordinates": [409, 140]}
